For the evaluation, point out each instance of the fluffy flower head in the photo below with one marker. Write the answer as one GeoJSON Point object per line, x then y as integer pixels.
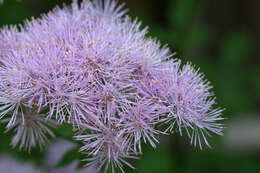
{"type": "Point", "coordinates": [92, 66]}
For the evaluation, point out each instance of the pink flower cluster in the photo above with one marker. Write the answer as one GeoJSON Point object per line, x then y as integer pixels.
{"type": "Point", "coordinates": [93, 67]}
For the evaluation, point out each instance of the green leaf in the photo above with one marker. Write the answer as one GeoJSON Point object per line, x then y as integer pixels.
{"type": "Point", "coordinates": [68, 157]}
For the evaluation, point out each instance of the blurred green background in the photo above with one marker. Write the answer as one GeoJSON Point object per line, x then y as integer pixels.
{"type": "Point", "coordinates": [219, 36]}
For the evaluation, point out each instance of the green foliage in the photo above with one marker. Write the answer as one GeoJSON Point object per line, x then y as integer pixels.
{"type": "Point", "coordinates": [236, 48]}
{"type": "Point", "coordinates": [68, 157]}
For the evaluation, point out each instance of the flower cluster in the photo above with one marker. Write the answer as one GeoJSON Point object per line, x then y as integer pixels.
{"type": "Point", "coordinates": [93, 67]}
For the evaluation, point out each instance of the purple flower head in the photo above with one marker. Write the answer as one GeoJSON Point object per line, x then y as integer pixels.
{"type": "Point", "coordinates": [107, 146]}
{"type": "Point", "coordinates": [190, 103]}
{"type": "Point", "coordinates": [139, 123]}
{"type": "Point", "coordinates": [93, 67]}
{"type": "Point", "coordinates": [31, 129]}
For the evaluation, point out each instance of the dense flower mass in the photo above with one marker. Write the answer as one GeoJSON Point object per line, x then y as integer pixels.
{"type": "Point", "coordinates": [93, 67]}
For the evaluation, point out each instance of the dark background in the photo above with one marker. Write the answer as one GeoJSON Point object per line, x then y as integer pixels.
{"type": "Point", "coordinates": [219, 36]}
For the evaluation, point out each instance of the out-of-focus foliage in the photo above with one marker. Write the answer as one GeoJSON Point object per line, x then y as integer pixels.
{"type": "Point", "coordinates": [221, 37]}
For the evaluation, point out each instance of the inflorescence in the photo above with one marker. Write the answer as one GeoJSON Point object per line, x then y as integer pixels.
{"type": "Point", "coordinates": [93, 67]}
